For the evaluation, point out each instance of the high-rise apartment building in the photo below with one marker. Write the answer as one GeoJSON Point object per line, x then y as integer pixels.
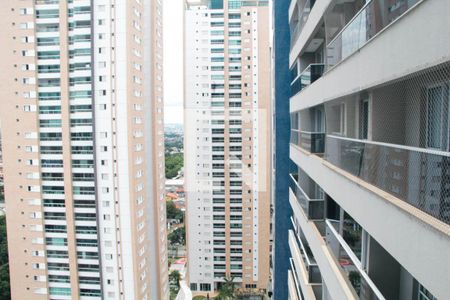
{"type": "Point", "coordinates": [227, 144]}
{"type": "Point", "coordinates": [81, 113]}
{"type": "Point", "coordinates": [370, 142]}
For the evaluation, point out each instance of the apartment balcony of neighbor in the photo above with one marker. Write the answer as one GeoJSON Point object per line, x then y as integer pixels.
{"type": "Point", "coordinates": [371, 270]}
{"type": "Point", "coordinates": [310, 65]}
{"type": "Point", "coordinates": [294, 286]}
{"type": "Point", "coordinates": [346, 254]}
{"type": "Point", "coordinates": [344, 240]}
{"type": "Point", "coordinates": [305, 271]}
{"type": "Point", "coordinates": [315, 272]}
{"type": "Point", "coordinates": [308, 130]}
{"type": "Point", "coordinates": [301, 80]}
{"type": "Point", "coordinates": [299, 11]}
{"type": "Point", "coordinates": [391, 142]}
{"type": "Point", "coordinates": [304, 189]}
{"type": "Point", "coordinates": [309, 18]}
{"type": "Point", "coordinates": [400, 141]}
{"type": "Point", "coordinates": [369, 43]}
{"type": "Point", "coordinates": [310, 196]}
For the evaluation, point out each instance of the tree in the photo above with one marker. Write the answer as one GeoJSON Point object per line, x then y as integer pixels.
{"type": "Point", "coordinates": [174, 283]}
{"type": "Point", "coordinates": [4, 266]}
{"type": "Point", "coordinates": [173, 212]}
{"type": "Point", "coordinates": [227, 289]}
{"type": "Point", "coordinates": [174, 163]}
{"type": "Point", "coordinates": [2, 194]}
{"type": "Point", "coordinates": [174, 278]}
{"type": "Point", "coordinates": [178, 236]}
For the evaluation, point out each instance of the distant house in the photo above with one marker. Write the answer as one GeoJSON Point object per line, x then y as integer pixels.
{"type": "Point", "coordinates": [172, 196]}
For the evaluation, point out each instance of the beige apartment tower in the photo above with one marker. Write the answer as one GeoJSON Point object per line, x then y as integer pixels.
{"type": "Point", "coordinates": [227, 145]}
{"type": "Point", "coordinates": [82, 128]}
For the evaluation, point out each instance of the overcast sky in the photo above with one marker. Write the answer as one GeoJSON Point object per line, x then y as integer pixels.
{"type": "Point", "coordinates": [173, 60]}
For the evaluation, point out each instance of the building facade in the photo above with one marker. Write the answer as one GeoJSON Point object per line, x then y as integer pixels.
{"type": "Point", "coordinates": [281, 165]}
{"type": "Point", "coordinates": [82, 115]}
{"type": "Point", "coordinates": [369, 139]}
{"type": "Point", "coordinates": [227, 145]}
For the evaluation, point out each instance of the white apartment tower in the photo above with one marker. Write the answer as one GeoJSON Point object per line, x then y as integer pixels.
{"type": "Point", "coordinates": [370, 145]}
{"type": "Point", "coordinates": [82, 122]}
{"type": "Point", "coordinates": [227, 138]}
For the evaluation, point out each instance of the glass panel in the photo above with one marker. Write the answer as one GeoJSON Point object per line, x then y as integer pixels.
{"type": "Point", "coordinates": [364, 121]}
{"type": "Point", "coordinates": [308, 76]}
{"type": "Point", "coordinates": [434, 120]}
{"type": "Point", "coordinates": [418, 176]}
{"type": "Point", "coordinates": [368, 22]}
{"type": "Point", "coordinates": [424, 294]}
{"type": "Point", "coordinates": [364, 287]}
{"type": "Point", "coordinates": [313, 208]}
{"type": "Point", "coordinates": [352, 234]}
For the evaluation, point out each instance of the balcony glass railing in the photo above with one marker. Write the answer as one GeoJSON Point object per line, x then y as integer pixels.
{"type": "Point", "coordinates": [349, 263]}
{"type": "Point", "coordinates": [296, 280]}
{"type": "Point", "coordinates": [302, 18]}
{"type": "Point", "coordinates": [418, 176]}
{"type": "Point", "coordinates": [310, 263]}
{"type": "Point", "coordinates": [313, 142]}
{"type": "Point", "coordinates": [305, 78]}
{"type": "Point", "coordinates": [37, 2]}
{"type": "Point", "coordinates": [313, 208]}
{"type": "Point", "coordinates": [371, 19]}
{"type": "Point", "coordinates": [300, 248]}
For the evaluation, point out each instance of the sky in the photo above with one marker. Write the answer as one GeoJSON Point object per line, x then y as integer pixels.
{"type": "Point", "coordinates": [173, 60]}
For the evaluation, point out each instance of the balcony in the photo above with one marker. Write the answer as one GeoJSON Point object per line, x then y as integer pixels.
{"type": "Point", "coordinates": [310, 263]}
{"type": "Point", "coordinates": [367, 23]}
{"type": "Point", "coordinates": [418, 176]}
{"type": "Point", "coordinates": [305, 78]}
{"type": "Point", "coordinates": [313, 208]}
{"type": "Point", "coordinates": [313, 142]}
{"type": "Point", "coordinates": [350, 264]}
{"type": "Point", "coordinates": [299, 19]}
{"type": "Point", "coordinates": [303, 264]}
{"type": "Point", "coordinates": [295, 284]}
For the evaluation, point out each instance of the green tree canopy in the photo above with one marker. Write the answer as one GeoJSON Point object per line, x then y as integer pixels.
{"type": "Point", "coordinates": [4, 266]}
{"type": "Point", "coordinates": [175, 277]}
{"type": "Point", "coordinates": [173, 212]}
{"type": "Point", "coordinates": [174, 163]}
{"type": "Point", "coordinates": [178, 236]}
{"type": "Point", "coordinates": [227, 289]}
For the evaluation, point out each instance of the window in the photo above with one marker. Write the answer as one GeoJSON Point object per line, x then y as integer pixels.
{"type": "Point", "coordinates": [437, 119]}
{"type": "Point", "coordinates": [336, 119]}
{"type": "Point", "coordinates": [90, 292]}
{"type": "Point", "coordinates": [59, 291]}
{"type": "Point", "coordinates": [89, 280]}
{"type": "Point", "coordinates": [424, 294]}
{"type": "Point", "coordinates": [49, 123]}
{"type": "Point", "coordinates": [49, 69]}
{"type": "Point", "coordinates": [217, 24]}
{"type": "Point", "coordinates": [48, 54]}
{"type": "Point", "coordinates": [58, 229]}
{"type": "Point", "coordinates": [47, 13]}
{"type": "Point", "coordinates": [59, 278]}
{"type": "Point", "coordinates": [216, 59]}
{"type": "Point", "coordinates": [217, 32]}
{"type": "Point", "coordinates": [364, 119]}
{"type": "Point", "coordinates": [56, 241]}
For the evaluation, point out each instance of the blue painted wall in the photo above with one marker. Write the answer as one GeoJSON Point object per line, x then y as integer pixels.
{"type": "Point", "coordinates": [282, 162]}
